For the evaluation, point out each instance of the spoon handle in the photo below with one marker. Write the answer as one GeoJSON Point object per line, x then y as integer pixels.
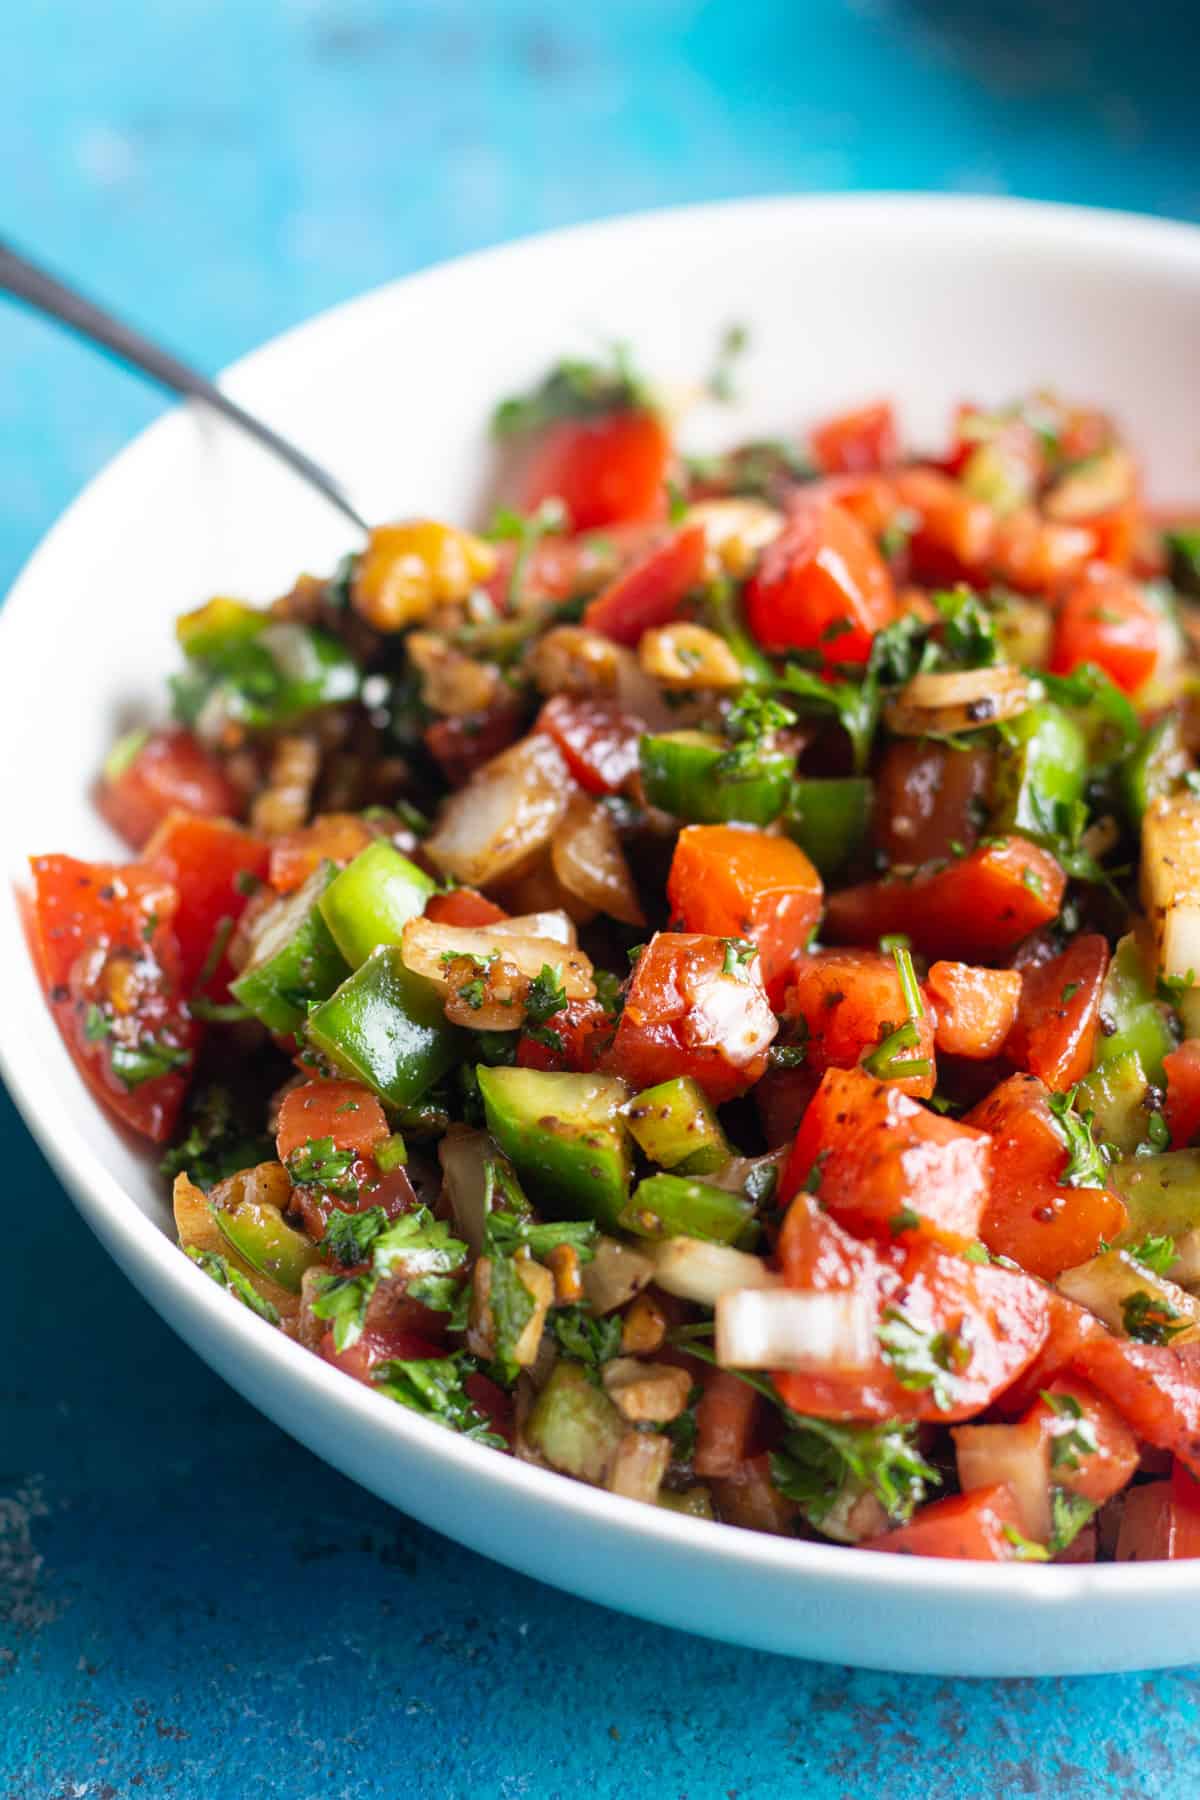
{"type": "Point", "coordinates": [25, 281]}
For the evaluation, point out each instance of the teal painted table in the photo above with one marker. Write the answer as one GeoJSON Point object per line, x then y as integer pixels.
{"type": "Point", "coordinates": [190, 1605]}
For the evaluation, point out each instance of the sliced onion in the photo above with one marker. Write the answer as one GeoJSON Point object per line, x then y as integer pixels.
{"type": "Point", "coordinates": [639, 1465]}
{"type": "Point", "coordinates": [615, 1274]}
{"type": "Point", "coordinates": [736, 530]}
{"type": "Point", "coordinates": [742, 1170]}
{"type": "Point", "coordinates": [958, 700]}
{"type": "Point", "coordinates": [1170, 880]}
{"type": "Point", "coordinates": [1106, 1282]}
{"type": "Point", "coordinates": [1096, 485]}
{"type": "Point", "coordinates": [587, 858]}
{"type": "Point", "coordinates": [694, 1270]}
{"type": "Point", "coordinates": [428, 949]}
{"type": "Point", "coordinates": [464, 1156]}
{"type": "Point", "coordinates": [506, 814]}
{"type": "Point", "coordinates": [1019, 1456]}
{"type": "Point", "coordinates": [554, 923]}
{"type": "Point", "coordinates": [784, 1329]}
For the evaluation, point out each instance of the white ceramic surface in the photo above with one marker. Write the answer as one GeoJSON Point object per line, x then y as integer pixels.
{"type": "Point", "coordinates": [927, 299]}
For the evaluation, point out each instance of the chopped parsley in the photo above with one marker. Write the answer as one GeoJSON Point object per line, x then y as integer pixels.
{"type": "Point", "coordinates": [1069, 1513]}
{"type": "Point", "coordinates": [1151, 1319]}
{"type": "Point", "coordinates": [739, 954]}
{"type": "Point", "coordinates": [1087, 1163]}
{"type": "Point", "coordinates": [507, 1232]}
{"type": "Point", "coordinates": [526, 531]}
{"type": "Point", "coordinates": [317, 1164]}
{"type": "Point", "coordinates": [968, 628]}
{"type": "Point", "coordinates": [1073, 1435]}
{"type": "Point", "coordinates": [416, 1248]}
{"type": "Point", "coordinates": [96, 1024]}
{"type": "Point", "coordinates": [546, 997]}
{"type": "Point", "coordinates": [1154, 1253]}
{"type": "Point", "coordinates": [574, 389]}
{"type": "Point", "coordinates": [218, 1140]}
{"type": "Point", "coordinates": [733, 344]}
{"type": "Point", "coordinates": [146, 1061]}
{"type": "Point", "coordinates": [904, 1220]}
{"type": "Point", "coordinates": [433, 1387]}
{"type": "Point", "coordinates": [350, 1235]}
{"type": "Point", "coordinates": [820, 1459]}
{"type": "Point", "coordinates": [585, 1337]}
{"type": "Point", "coordinates": [922, 1360]}
{"type": "Point", "coordinates": [222, 1271]}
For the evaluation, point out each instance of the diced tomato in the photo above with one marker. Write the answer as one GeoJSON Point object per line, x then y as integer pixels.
{"type": "Point", "coordinates": [1031, 1218]}
{"type": "Point", "coordinates": [462, 745]}
{"type": "Point", "coordinates": [214, 867]}
{"type": "Point", "coordinates": [401, 1342]}
{"type": "Point", "coordinates": [871, 499]}
{"type": "Point", "coordinates": [1160, 1521]}
{"type": "Point", "coordinates": [492, 1401]}
{"type": "Point", "coordinates": [599, 742]}
{"type": "Point", "coordinates": [858, 442]}
{"type": "Point", "coordinates": [1055, 1030]}
{"type": "Point", "coordinates": [977, 908]}
{"type": "Point", "coordinates": [582, 1028]}
{"type": "Point", "coordinates": [976, 1008]}
{"type": "Point", "coordinates": [887, 1166]}
{"type": "Point", "coordinates": [603, 470]}
{"type": "Point", "coordinates": [105, 945]}
{"type": "Point", "coordinates": [815, 1251]}
{"type": "Point", "coordinates": [345, 1111]}
{"type": "Point", "coordinates": [170, 771]}
{"type": "Point", "coordinates": [820, 585]}
{"type": "Point", "coordinates": [1106, 619]}
{"type": "Point", "coordinates": [725, 1423]}
{"type": "Point", "coordinates": [1115, 533]}
{"type": "Point", "coordinates": [1036, 555]}
{"type": "Point", "coordinates": [953, 537]}
{"type": "Point", "coordinates": [1153, 1387]}
{"type": "Point", "coordinates": [1095, 1474]}
{"type": "Point", "coordinates": [687, 1013]}
{"type": "Point", "coordinates": [1183, 1093]}
{"type": "Point", "coordinates": [736, 882]}
{"type": "Point", "coordinates": [463, 906]}
{"type": "Point", "coordinates": [850, 1000]}
{"type": "Point", "coordinates": [651, 591]}
{"type": "Point", "coordinates": [971, 1527]}
{"type": "Point", "coordinates": [561, 568]}
{"type": "Point", "coordinates": [929, 799]}
{"type": "Point", "coordinates": [1069, 1325]}
{"type": "Point", "coordinates": [332, 837]}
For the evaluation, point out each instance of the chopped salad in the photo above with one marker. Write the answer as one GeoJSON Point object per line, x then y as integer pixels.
{"type": "Point", "coordinates": [694, 985]}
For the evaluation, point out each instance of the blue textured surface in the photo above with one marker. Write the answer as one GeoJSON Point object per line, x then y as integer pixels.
{"type": "Point", "coordinates": [190, 1604]}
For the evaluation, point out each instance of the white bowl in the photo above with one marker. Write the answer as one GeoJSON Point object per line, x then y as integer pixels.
{"type": "Point", "coordinates": [928, 299]}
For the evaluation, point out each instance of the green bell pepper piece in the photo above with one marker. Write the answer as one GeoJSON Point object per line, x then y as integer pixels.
{"type": "Point", "coordinates": [263, 680]}
{"type": "Point", "coordinates": [723, 614]}
{"type": "Point", "coordinates": [259, 1234]}
{"type": "Point", "coordinates": [1116, 1095]}
{"type": "Point", "coordinates": [1183, 553]}
{"type": "Point", "coordinates": [387, 1027]}
{"type": "Point", "coordinates": [373, 899]}
{"type": "Point", "coordinates": [218, 629]}
{"type": "Point", "coordinates": [1156, 766]}
{"type": "Point", "coordinates": [294, 959]}
{"type": "Point", "coordinates": [564, 1136]}
{"type": "Point", "coordinates": [1041, 774]}
{"type": "Point", "coordinates": [676, 1127]}
{"type": "Point", "coordinates": [830, 819]}
{"type": "Point", "coordinates": [1162, 1194]}
{"type": "Point", "coordinates": [574, 1424]}
{"type": "Point", "coordinates": [666, 1206]}
{"type": "Point", "coordinates": [681, 773]}
{"type": "Point", "coordinates": [1131, 1018]}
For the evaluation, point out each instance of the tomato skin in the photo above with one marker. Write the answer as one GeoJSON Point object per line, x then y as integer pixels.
{"type": "Point", "coordinates": [172, 771]}
{"type": "Point", "coordinates": [928, 799]}
{"type": "Point", "coordinates": [463, 906]}
{"type": "Point", "coordinates": [582, 1025]}
{"type": "Point", "coordinates": [856, 443]}
{"type": "Point", "coordinates": [204, 859]}
{"type": "Point", "coordinates": [1069, 1326]}
{"type": "Point", "coordinates": [598, 741]}
{"type": "Point", "coordinates": [846, 998]}
{"type": "Point", "coordinates": [1103, 1472]}
{"type": "Point", "coordinates": [954, 532]}
{"type": "Point", "coordinates": [977, 909]}
{"type": "Point", "coordinates": [738, 882]}
{"type": "Point", "coordinates": [726, 1416]}
{"type": "Point", "coordinates": [333, 837]}
{"type": "Point", "coordinates": [1036, 555]}
{"type": "Point", "coordinates": [1105, 619]}
{"type": "Point", "coordinates": [1059, 1015]}
{"type": "Point", "coordinates": [462, 745]}
{"type": "Point", "coordinates": [880, 1154]}
{"type": "Point", "coordinates": [1160, 1521]}
{"type": "Point", "coordinates": [820, 585]}
{"type": "Point", "coordinates": [683, 1015]}
{"type": "Point", "coordinates": [650, 592]}
{"type": "Point", "coordinates": [1154, 1389]}
{"type": "Point", "coordinates": [968, 1527]}
{"type": "Point", "coordinates": [400, 1342]}
{"type": "Point", "coordinates": [603, 470]}
{"type": "Point", "coordinates": [976, 1008]}
{"type": "Point", "coordinates": [1183, 1093]}
{"type": "Point", "coordinates": [1031, 1218]}
{"type": "Point", "coordinates": [104, 938]}
{"type": "Point", "coordinates": [345, 1111]}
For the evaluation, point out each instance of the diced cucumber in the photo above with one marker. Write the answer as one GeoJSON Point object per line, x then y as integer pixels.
{"type": "Point", "coordinates": [294, 960]}
{"type": "Point", "coordinates": [676, 1127]}
{"type": "Point", "coordinates": [1162, 1194]}
{"type": "Point", "coordinates": [564, 1136]}
{"type": "Point", "coordinates": [574, 1424]}
{"type": "Point", "coordinates": [373, 899]}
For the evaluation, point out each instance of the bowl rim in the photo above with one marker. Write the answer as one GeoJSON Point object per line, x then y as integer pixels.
{"type": "Point", "coordinates": [1064, 230]}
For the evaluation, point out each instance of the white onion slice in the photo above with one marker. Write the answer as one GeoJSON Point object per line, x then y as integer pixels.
{"type": "Point", "coordinates": [639, 1465]}
{"type": "Point", "coordinates": [508, 811]}
{"type": "Point", "coordinates": [552, 924]}
{"type": "Point", "coordinates": [958, 700]}
{"type": "Point", "coordinates": [785, 1329]}
{"type": "Point", "coordinates": [588, 860]}
{"type": "Point", "coordinates": [428, 948]}
{"type": "Point", "coordinates": [1019, 1456]}
{"type": "Point", "coordinates": [1170, 881]}
{"type": "Point", "coordinates": [691, 1269]}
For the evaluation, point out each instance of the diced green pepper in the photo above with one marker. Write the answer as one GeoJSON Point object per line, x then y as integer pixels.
{"type": "Point", "coordinates": [830, 819]}
{"type": "Point", "coordinates": [1183, 552]}
{"type": "Point", "coordinates": [373, 899]}
{"type": "Point", "coordinates": [294, 960]}
{"type": "Point", "coordinates": [564, 1136]}
{"type": "Point", "coordinates": [260, 1234]}
{"type": "Point", "coordinates": [666, 1206]}
{"type": "Point", "coordinates": [1131, 1018]}
{"type": "Point", "coordinates": [1156, 766]}
{"type": "Point", "coordinates": [217, 630]}
{"type": "Point", "coordinates": [574, 1424]}
{"type": "Point", "coordinates": [263, 680]}
{"type": "Point", "coordinates": [723, 613]}
{"type": "Point", "coordinates": [677, 1128]}
{"type": "Point", "coordinates": [690, 774]}
{"type": "Point", "coordinates": [1041, 773]}
{"type": "Point", "coordinates": [387, 1027]}
{"type": "Point", "coordinates": [1116, 1094]}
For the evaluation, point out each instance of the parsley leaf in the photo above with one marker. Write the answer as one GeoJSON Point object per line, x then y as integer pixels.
{"type": "Point", "coordinates": [1069, 1513]}
{"type": "Point", "coordinates": [134, 1063]}
{"type": "Point", "coordinates": [219, 1139]}
{"type": "Point", "coordinates": [1087, 1164]}
{"type": "Point", "coordinates": [585, 1337]}
{"type": "Point", "coordinates": [350, 1235]}
{"type": "Point", "coordinates": [1150, 1319]}
{"type": "Point", "coordinates": [968, 629]}
{"type": "Point", "coordinates": [922, 1360]}
{"type": "Point", "coordinates": [820, 1459]}
{"type": "Point", "coordinates": [507, 1232]}
{"type": "Point", "coordinates": [222, 1271]}
{"type": "Point", "coordinates": [739, 954]}
{"type": "Point", "coordinates": [416, 1248]}
{"type": "Point", "coordinates": [1072, 1435]}
{"type": "Point", "coordinates": [1154, 1253]}
{"type": "Point", "coordinates": [574, 389]}
{"type": "Point", "coordinates": [317, 1164]}
{"type": "Point", "coordinates": [546, 995]}
{"type": "Point", "coordinates": [434, 1388]}
{"type": "Point", "coordinates": [526, 530]}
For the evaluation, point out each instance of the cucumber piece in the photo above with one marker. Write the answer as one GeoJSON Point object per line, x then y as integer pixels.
{"type": "Point", "coordinates": [564, 1136]}
{"type": "Point", "coordinates": [373, 899]}
{"type": "Point", "coordinates": [1131, 1018]}
{"type": "Point", "coordinates": [666, 1206]}
{"type": "Point", "coordinates": [1162, 1194]}
{"type": "Point", "coordinates": [294, 960]}
{"type": "Point", "coordinates": [1116, 1094]}
{"type": "Point", "coordinates": [260, 1234]}
{"type": "Point", "coordinates": [693, 1502]}
{"type": "Point", "coordinates": [830, 819]}
{"type": "Point", "coordinates": [386, 1027]}
{"type": "Point", "coordinates": [676, 1127]}
{"type": "Point", "coordinates": [575, 1425]}
{"type": "Point", "coordinates": [680, 774]}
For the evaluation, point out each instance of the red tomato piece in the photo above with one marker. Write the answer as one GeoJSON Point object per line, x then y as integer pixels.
{"type": "Point", "coordinates": [214, 867]}
{"type": "Point", "coordinates": [1031, 1218]}
{"type": "Point", "coordinates": [816, 1252]}
{"type": "Point", "coordinates": [970, 1527]}
{"type": "Point", "coordinates": [462, 745]}
{"type": "Point", "coordinates": [170, 771]}
{"type": "Point", "coordinates": [953, 537]}
{"type": "Point", "coordinates": [887, 1166]}
{"type": "Point", "coordinates": [463, 906]}
{"type": "Point", "coordinates": [651, 592]}
{"type": "Point", "coordinates": [1036, 555]}
{"type": "Point", "coordinates": [106, 950]}
{"type": "Point", "coordinates": [820, 585]}
{"type": "Point", "coordinates": [333, 837]}
{"type": "Point", "coordinates": [1106, 619]}
{"type": "Point", "coordinates": [976, 1008]}
{"type": "Point", "coordinates": [1097, 1474]}
{"type": "Point", "coordinates": [1160, 1521]}
{"type": "Point", "coordinates": [1055, 1030]}
{"type": "Point", "coordinates": [492, 1401]}
{"type": "Point", "coordinates": [599, 742]}
{"type": "Point", "coordinates": [726, 1417]}
{"type": "Point", "coordinates": [401, 1342]}
{"type": "Point", "coordinates": [850, 1000]}
{"type": "Point", "coordinates": [928, 800]}
{"type": "Point", "coordinates": [871, 498]}
{"type": "Point", "coordinates": [737, 882]}
{"type": "Point", "coordinates": [345, 1111]}
{"type": "Point", "coordinates": [977, 908]}
{"type": "Point", "coordinates": [582, 1027]}
{"type": "Point", "coordinates": [1069, 1325]}
{"type": "Point", "coordinates": [686, 1014]}
{"type": "Point", "coordinates": [1154, 1388]}
{"type": "Point", "coordinates": [603, 470]}
{"type": "Point", "coordinates": [858, 442]}
{"type": "Point", "coordinates": [1183, 1093]}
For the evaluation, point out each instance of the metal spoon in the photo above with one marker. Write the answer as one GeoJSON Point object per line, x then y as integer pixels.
{"type": "Point", "coordinates": [25, 281]}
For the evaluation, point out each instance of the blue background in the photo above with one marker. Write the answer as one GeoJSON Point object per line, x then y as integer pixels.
{"type": "Point", "coordinates": [189, 1603]}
